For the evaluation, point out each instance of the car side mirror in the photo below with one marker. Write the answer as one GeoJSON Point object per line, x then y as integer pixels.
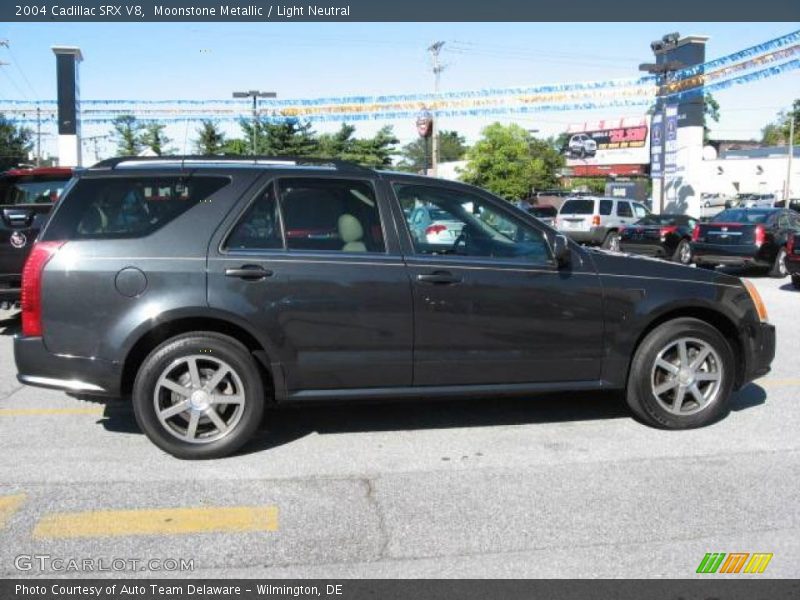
{"type": "Point", "coordinates": [561, 251]}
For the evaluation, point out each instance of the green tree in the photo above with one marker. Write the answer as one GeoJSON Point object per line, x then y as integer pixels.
{"type": "Point", "coordinates": [153, 137]}
{"type": "Point", "coordinates": [210, 139]}
{"type": "Point", "coordinates": [375, 151]}
{"type": "Point", "coordinates": [126, 134]}
{"type": "Point", "coordinates": [284, 138]}
{"type": "Point", "coordinates": [508, 161]}
{"type": "Point", "coordinates": [710, 113]}
{"type": "Point", "coordinates": [15, 143]}
{"type": "Point", "coordinates": [777, 132]}
{"type": "Point", "coordinates": [452, 146]}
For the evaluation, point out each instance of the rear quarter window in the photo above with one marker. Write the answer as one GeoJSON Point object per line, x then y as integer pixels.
{"type": "Point", "coordinates": [127, 207]}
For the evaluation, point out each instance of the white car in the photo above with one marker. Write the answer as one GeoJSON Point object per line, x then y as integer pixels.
{"type": "Point", "coordinates": [582, 145]}
{"type": "Point", "coordinates": [432, 225]}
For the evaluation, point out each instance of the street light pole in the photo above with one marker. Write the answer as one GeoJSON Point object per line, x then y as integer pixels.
{"type": "Point", "coordinates": [255, 95]}
{"type": "Point", "coordinates": [789, 161]}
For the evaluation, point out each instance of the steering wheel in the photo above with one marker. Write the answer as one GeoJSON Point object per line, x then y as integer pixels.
{"type": "Point", "coordinates": [461, 239]}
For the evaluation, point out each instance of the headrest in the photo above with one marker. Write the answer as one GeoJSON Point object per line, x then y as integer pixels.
{"type": "Point", "coordinates": [350, 229]}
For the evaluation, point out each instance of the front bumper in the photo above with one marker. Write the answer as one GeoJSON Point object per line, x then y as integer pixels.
{"type": "Point", "coordinates": [39, 367]}
{"type": "Point", "coordinates": [759, 352]}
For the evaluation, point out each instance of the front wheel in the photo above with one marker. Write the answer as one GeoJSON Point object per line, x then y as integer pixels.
{"type": "Point", "coordinates": [778, 269]}
{"type": "Point", "coordinates": [681, 376]}
{"type": "Point", "coordinates": [199, 395]}
{"type": "Point", "coordinates": [683, 253]}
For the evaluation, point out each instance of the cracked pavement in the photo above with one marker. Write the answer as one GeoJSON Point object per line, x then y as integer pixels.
{"type": "Point", "coordinates": [557, 486]}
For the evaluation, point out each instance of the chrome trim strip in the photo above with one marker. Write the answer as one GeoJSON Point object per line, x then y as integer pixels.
{"type": "Point", "coordinates": [671, 279]}
{"type": "Point", "coordinates": [66, 384]}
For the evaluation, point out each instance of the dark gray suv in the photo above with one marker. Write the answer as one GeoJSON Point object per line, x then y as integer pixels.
{"type": "Point", "coordinates": [206, 288]}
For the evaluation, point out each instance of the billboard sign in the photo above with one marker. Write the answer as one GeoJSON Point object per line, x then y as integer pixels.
{"type": "Point", "coordinates": [622, 141]}
{"type": "Point", "coordinates": [671, 139]}
{"type": "Point", "coordinates": [657, 145]}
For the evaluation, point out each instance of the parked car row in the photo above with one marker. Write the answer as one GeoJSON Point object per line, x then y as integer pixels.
{"type": "Point", "coordinates": [221, 285]}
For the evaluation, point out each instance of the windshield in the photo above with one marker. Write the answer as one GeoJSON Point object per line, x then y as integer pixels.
{"type": "Point", "coordinates": [742, 216]}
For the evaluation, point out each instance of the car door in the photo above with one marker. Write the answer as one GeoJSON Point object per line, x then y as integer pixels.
{"type": "Point", "coordinates": [624, 213]}
{"type": "Point", "coordinates": [311, 265]}
{"type": "Point", "coordinates": [492, 308]}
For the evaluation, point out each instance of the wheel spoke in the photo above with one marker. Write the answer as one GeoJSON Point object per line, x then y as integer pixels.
{"type": "Point", "coordinates": [667, 366]}
{"type": "Point", "coordinates": [174, 386]}
{"type": "Point", "coordinates": [683, 355]}
{"type": "Point", "coordinates": [700, 359]}
{"type": "Point", "coordinates": [215, 380]}
{"type": "Point", "coordinates": [698, 395]}
{"type": "Point", "coordinates": [705, 376]}
{"type": "Point", "coordinates": [678, 402]}
{"type": "Point", "coordinates": [227, 399]}
{"type": "Point", "coordinates": [216, 419]}
{"type": "Point", "coordinates": [194, 373]}
{"type": "Point", "coordinates": [191, 430]}
{"type": "Point", "coordinates": [174, 409]}
{"type": "Point", "coordinates": [666, 386]}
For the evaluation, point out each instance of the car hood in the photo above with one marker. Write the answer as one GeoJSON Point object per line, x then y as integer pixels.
{"type": "Point", "coordinates": [634, 265]}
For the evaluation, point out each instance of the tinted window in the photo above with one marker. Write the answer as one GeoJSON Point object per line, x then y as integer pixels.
{"type": "Point", "coordinates": [741, 216]}
{"type": "Point", "coordinates": [127, 207]}
{"type": "Point", "coordinates": [330, 214]}
{"type": "Point", "coordinates": [624, 209]}
{"type": "Point", "coordinates": [665, 220]}
{"type": "Point", "coordinates": [476, 227]}
{"type": "Point", "coordinates": [259, 227]}
{"type": "Point", "coordinates": [577, 207]}
{"type": "Point", "coordinates": [543, 211]}
{"type": "Point", "coordinates": [605, 207]}
{"type": "Point", "coordinates": [31, 190]}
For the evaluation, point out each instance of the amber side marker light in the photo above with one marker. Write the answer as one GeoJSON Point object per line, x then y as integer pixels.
{"type": "Point", "coordinates": [761, 308]}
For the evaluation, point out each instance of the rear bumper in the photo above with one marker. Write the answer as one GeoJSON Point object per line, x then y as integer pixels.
{"type": "Point", "coordinates": [647, 249]}
{"type": "Point", "coordinates": [733, 255]}
{"type": "Point", "coordinates": [38, 367]}
{"type": "Point", "coordinates": [759, 352]}
{"type": "Point", "coordinates": [10, 287]}
{"type": "Point", "coordinates": [595, 236]}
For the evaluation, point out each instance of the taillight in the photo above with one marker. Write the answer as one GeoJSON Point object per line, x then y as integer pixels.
{"type": "Point", "coordinates": [696, 233]}
{"type": "Point", "coordinates": [434, 229]}
{"type": "Point", "coordinates": [761, 235]}
{"type": "Point", "coordinates": [596, 221]}
{"type": "Point", "coordinates": [790, 244]}
{"type": "Point", "coordinates": [665, 231]}
{"type": "Point", "coordinates": [31, 297]}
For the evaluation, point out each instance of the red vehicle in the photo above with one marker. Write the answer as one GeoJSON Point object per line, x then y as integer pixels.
{"type": "Point", "coordinates": [26, 197]}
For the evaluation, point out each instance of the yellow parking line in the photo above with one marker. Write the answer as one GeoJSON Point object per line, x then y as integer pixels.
{"type": "Point", "coordinates": [33, 412]}
{"type": "Point", "coordinates": [778, 382]}
{"type": "Point", "coordinates": [164, 521]}
{"type": "Point", "coordinates": [8, 506]}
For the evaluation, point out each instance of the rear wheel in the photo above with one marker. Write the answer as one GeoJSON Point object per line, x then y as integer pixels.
{"type": "Point", "coordinates": [611, 241]}
{"type": "Point", "coordinates": [199, 395]}
{"type": "Point", "coordinates": [681, 375]}
{"type": "Point", "coordinates": [779, 266]}
{"type": "Point", "coordinates": [683, 253]}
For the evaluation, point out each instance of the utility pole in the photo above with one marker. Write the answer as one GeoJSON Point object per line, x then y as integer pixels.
{"type": "Point", "coordinates": [792, 117]}
{"type": "Point", "coordinates": [38, 136]}
{"type": "Point", "coordinates": [255, 95]}
{"type": "Point", "coordinates": [435, 49]}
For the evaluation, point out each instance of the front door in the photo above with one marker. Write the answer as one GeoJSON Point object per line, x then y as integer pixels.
{"type": "Point", "coordinates": [491, 307]}
{"type": "Point", "coordinates": [309, 265]}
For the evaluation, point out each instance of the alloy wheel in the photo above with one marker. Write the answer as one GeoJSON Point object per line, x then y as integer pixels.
{"type": "Point", "coordinates": [199, 399]}
{"type": "Point", "coordinates": [686, 376]}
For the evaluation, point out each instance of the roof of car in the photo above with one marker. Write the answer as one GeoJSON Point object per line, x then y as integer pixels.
{"type": "Point", "coordinates": [43, 171]}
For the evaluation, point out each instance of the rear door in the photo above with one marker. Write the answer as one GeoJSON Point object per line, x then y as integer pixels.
{"type": "Point", "coordinates": [624, 213]}
{"type": "Point", "coordinates": [576, 214]}
{"type": "Point", "coordinates": [311, 263]}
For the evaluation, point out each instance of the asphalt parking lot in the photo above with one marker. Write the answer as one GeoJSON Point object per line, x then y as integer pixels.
{"type": "Point", "coordinates": [558, 486]}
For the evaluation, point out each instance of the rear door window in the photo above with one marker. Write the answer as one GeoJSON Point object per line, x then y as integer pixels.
{"type": "Point", "coordinates": [127, 207]}
{"type": "Point", "coordinates": [624, 209]}
{"type": "Point", "coordinates": [605, 207]}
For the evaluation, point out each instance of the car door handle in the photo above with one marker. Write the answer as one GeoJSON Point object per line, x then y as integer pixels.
{"type": "Point", "coordinates": [249, 273]}
{"type": "Point", "coordinates": [440, 277]}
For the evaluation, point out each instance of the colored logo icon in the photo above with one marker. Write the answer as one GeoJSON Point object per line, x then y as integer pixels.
{"type": "Point", "coordinates": [735, 562]}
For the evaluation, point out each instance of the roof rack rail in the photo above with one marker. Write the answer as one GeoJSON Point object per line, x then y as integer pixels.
{"type": "Point", "coordinates": [342, 165]}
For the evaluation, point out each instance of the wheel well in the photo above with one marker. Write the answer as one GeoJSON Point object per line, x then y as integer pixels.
{"type": "Point", "coordinates": [163, 332]}
{"type": "Point", "coordinates": [714, 318]}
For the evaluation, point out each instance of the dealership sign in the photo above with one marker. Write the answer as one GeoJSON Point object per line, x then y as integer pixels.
{"type": "Point", "coordinates": [609, 142]}
{"type": "Point", "coordinates": [670, 139]}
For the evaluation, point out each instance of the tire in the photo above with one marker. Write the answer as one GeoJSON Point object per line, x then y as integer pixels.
{"type": "Point", "coordinates": [796, 281]}
{"type": "Point", "coordinates": [647, 377]}
{"type": "Point", "coordinates": [167, 370]}
{"type": "Point", "coordinates": [611, 241]}
{"type": "Point", "coordinates": [683, 253]}
{"type": "Point", "coordinates": [778, 269]}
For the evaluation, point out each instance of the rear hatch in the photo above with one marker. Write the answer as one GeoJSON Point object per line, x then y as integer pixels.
{"type": "Point", "coordinates": [576, 215]}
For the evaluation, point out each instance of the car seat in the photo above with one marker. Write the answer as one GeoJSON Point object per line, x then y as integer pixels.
{"type": "Point", "coordinates": [351, 233]}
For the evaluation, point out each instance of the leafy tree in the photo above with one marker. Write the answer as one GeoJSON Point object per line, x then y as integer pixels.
{"type": "Point", "coordinates": [126, 134]}
{"type": "Point", "coordinates": [710, 112]}
{"type": "Point", "coordinates": [15, 143]}
{"type": "Point", "coordinates": [153, 137]}
{"type": "Point", "coordinates": [452, 146]}
{"type": "Point", "coordinates": [508, 161]}
{"type": "Point", "coordinates": [210, 140]}
{"type": "Point", "coordinates": [777, 132]}
{"type": "Point", "coordinates": [284, 138]}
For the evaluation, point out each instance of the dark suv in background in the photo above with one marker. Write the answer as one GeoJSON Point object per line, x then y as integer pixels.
{"type": "Point", "coordinates": [207, 287]}
{"type": "Point", "coordinates": [26, 197]}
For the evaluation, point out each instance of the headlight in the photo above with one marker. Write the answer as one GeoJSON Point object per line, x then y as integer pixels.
{"type": "Point", "coordinates": [761, 308]}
